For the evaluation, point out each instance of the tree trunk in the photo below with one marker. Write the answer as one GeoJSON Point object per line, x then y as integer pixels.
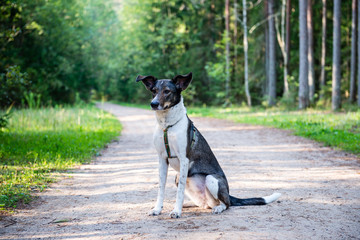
{"type": "Point", "coordinates": [235, 40]}
{"type": "Point", "coordinates": [311, 73]}
{"type": "Point", "coordinates": [266, 88]}
{"type": "Point", "coordinates": [286, 83]}
{"type": "Point", "coordinates": [336, 72]}
{"type": "Point", "coordinates": [323, 50]}
{"type": "Point", "coordinates": [227, 53]}
{"type": "Point", "coordinates": [272, 59]}
{"type": "Point", "coordinates": [358, 50]}
{"type": "Point", "coordinates": [352, 96]}
{"type": "Point", "coordinates": [303, 65]}
{"type": "Point", "coordinates": [246, 56]}
{"type": "Point", "coordinates": [287, 41]}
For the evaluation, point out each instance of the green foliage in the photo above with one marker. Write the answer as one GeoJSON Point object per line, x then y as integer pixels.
{"type": "Point", "coordinates": [95, 49]}
{"type": "Point", "coordinates": [13, 86]}
{"type": "Point", "coordinates": [65, 47]}
{"type": "Point", "coordinates": [33, 100]}
{"type": "Point", "coordinates": [340, 130]}
{"type": "Point", "coordinates": [4, 120]}
{"type": "Point", "coordinates": [38, 142]}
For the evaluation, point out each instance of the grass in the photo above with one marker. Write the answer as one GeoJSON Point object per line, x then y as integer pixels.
{"type": "Point", "coordinates": [340, 130]}
{"type": "Point", "coordinates": [38, 142]}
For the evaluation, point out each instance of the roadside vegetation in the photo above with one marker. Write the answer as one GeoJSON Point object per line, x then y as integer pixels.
{"type": "Point", "coordinates": [38, 142]}
{"type": "Point", "coordinates": [340, 130]}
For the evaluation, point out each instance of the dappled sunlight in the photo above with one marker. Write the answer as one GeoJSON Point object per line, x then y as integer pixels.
{"type": "Point", "coordinates": [112, 196]}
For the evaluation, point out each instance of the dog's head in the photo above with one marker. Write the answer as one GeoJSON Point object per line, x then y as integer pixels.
{"type": "Point", "coordinates": [166, 92]}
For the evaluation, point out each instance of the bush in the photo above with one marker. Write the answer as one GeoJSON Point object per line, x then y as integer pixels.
{"type": "Point", "coordinates": [13, 86]}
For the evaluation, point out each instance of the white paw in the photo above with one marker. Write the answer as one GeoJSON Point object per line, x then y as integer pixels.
{"type": "Point", "coordinates": [175, 214]}
{"type": "Point", "coordinates": [218, 209]}
{"type": "Point", "coordinates": [155, 212]}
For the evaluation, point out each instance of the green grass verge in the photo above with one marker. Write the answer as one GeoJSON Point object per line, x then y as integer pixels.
{"type": "Point", "coordinates": [39, 142]}
{"type": "Point", "coordinates": [341, 130]}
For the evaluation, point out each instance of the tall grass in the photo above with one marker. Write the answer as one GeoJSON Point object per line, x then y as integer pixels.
{"type": "Point", "coordinates": [341, 130]}
{"type": "Point", "coordinates": [38, 142]}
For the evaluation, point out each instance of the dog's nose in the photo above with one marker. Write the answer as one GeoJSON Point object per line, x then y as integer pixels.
{"type": "Point", "coordinates": [154, 105]}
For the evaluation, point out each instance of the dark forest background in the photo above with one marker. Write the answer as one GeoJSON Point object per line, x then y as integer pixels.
{"type": "Point", "coordinates": [68, 51]}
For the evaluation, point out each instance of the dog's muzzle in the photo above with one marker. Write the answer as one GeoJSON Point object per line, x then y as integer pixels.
{"type": "Point", "coordinates": [155, 105]}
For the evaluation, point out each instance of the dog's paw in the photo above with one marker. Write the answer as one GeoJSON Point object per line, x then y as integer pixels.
{"type": "Point", "coordinates": [175, 214]}
{"type": "Point", "coordinates": [218, 209]}
{"type": "Point", "coordinates": [155, 212]}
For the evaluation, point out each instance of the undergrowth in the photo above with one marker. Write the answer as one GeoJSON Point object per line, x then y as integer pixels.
{"type": "Point", "coordinates": [38, 142]}
{"type": "Point", "coordinates": [341, 130]}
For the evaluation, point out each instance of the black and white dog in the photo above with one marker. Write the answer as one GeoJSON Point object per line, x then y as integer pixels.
{"type": "Point", "coordinates": [181, 145]}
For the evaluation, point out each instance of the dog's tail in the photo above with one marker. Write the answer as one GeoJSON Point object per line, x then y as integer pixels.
{"type": "Point", "coordinates": [254, 201]}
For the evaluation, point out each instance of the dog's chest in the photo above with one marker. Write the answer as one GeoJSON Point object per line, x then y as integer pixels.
{"type": "Point", "coordinates": [177, 140]}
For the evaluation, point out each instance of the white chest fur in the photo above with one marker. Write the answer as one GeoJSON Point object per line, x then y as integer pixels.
{"type": "Point", "coordinates": [174, 117]}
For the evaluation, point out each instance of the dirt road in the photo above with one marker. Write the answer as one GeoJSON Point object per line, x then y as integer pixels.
{"type": "Point", "coordinates": [110, 198]}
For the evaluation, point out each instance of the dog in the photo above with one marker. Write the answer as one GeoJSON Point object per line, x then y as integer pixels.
{"type": "Point", "coordinates": [180, 144]}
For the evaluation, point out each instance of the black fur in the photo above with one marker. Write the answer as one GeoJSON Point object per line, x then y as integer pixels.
{"type": "Point", "coordinates": [201, 158]}
{"type": "Point", "coordinates": [246, 202]}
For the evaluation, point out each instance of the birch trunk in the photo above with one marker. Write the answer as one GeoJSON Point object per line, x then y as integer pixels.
{"type": "Point", "coordinates": [323, 50]}
{"type": "Point", "coordinates": [272, 57]}
{"type": "Point", "coordinates": [287, 41]}
{"type": "Point", "coordinates": [246, 55]}
{"type": "Point", "coordinates": [227, 53]}
{"type": "Point", "coordinates": [266, 92]}
{"type": "Point", "coordinates": [336, 72]}
{"type": "Point", "coordinates": [286, 83]}
{"type": "Point", "coordinates": [311, 73]}
{"type": "Point", "coordinates": [303, 65]}
{"type": "Point", "coordinates": [235, 40]}
{"type": "Point", "coordinates": [352, 96]}
{"type": "Point", "coordinates": [358, 50]}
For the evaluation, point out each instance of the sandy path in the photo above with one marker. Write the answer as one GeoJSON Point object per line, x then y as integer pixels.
{"type": "Point", "coordinates": [110, 198]}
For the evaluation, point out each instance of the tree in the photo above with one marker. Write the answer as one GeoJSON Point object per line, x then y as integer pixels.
{"type": "Point", "coordinates": [272, 55]}
{"type": "Point", "coordinates": [281, 40]}
{"type": "Point", "coordinates": [235, 40]}
{"type": "Point", "coordinates": [353, 53]}
{"type": "Point", "coordinates": [267, 47]}
{"type": "Point", "coordinates": [303, 64]}
{"type": "Point", "coordinates": [358, 53]}
{"type": "Point", "coordinates": [227, 52]}
{"type": "Point", "coordinates": [246, 55]}
{"type": "Point", "coordinates": [323, 50]}
{"type": "Point", "coordinates": [311, 72]}
{"type": "Point", "coordinates": [287, 40]}
{"type": "Point", "coordinates": [336, 71]}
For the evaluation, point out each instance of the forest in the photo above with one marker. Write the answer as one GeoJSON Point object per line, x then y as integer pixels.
{"type": "Point", "coordinates": [296, 54]}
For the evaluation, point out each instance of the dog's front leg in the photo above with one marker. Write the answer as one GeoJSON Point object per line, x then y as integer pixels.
{"type": "Point", "coordinates": [184, 168]}
{"type": "Point", "coordinates": [163, 170]}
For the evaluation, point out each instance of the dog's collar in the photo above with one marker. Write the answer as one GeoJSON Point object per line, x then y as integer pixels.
{"type": "Point", "coordinates": [166, 141]}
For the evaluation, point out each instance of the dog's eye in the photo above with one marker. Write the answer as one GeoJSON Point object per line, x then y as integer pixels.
{"type": "Point", "coordinates": [166, 91]}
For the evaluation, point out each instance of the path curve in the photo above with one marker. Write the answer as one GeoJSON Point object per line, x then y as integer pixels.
{"type": "Point", "coordinates": [110, 198]}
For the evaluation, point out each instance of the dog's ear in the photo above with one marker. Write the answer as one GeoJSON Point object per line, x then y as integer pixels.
{"type": "Point", "coordinates": [148, 81]}
{"type": "Point", "coordinates": [182, 81]}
